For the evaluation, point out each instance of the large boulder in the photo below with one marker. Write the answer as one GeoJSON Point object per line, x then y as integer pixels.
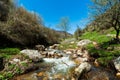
{"type": "Point", "coordinates": [34, 55]}
{"type": "Point", "coordinates": [83, 67]}
{"type": "Point", "coordinates": [18, 64]}
{"type": "Point", "coordinates": [117, 64]}
{"type": "Point", "coordinates": [83, 42]}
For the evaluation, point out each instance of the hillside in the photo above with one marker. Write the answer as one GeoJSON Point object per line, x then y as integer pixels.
{"type": "Point", "coordinates": [20, 28]}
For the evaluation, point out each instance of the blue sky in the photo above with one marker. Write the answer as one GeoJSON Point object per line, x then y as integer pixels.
{"type": "Point", "coordinates": [52, 10]}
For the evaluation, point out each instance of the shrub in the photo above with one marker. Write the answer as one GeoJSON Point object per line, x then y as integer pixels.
{"type": "Point", "coordinates": [25, 29]}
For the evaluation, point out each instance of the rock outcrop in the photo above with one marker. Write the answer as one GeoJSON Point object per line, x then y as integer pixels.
{"type": "Point", "coordinates": [34, 55]}
{"type": "Point", "coordinates": [117, 66]}
{"type": "Point", "coordinates": [82, 68]}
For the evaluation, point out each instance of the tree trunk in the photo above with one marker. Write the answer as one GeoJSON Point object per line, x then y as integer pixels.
{"type": "Point", "coordinates": [117, 34]}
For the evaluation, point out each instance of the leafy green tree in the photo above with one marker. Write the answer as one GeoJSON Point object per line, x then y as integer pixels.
{"type": "Point", "coordinates": [106, 13]}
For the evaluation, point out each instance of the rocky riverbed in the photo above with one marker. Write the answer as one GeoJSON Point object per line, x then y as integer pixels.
{"type": "Point", "coordinates": [54, 64]}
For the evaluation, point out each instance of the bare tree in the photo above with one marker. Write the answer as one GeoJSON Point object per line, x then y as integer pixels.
{"type": "Point", "coordinates": [64, 25]}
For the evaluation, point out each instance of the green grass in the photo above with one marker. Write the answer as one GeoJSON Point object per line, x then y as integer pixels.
{"type": "Point", "coordinates": [8, 52]}
{"type": "Point", "coordinates": [94, 36]}
{"type": "Point", "coordinates": [103, 54]}
{"type": "Point", "coordinates": [104, 61]}
{"type": "Point", "coordinates": [67, 46]}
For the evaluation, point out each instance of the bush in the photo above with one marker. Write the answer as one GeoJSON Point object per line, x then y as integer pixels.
{"type": "Point", "coordinates": [77, 33]}
{"type": "Point", "coordinates": [25, 29]}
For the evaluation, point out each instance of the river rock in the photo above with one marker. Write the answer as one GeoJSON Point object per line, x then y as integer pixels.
{"type": "Point", "coordinates": [80, 60]}
{"type": "Point", "coordinates": [118, 75]}
{"type": "Point", "coordinates": [40, 47]}
{"type": "Point", "coordinates": [52, 53]}
{"type": "Point", "coordinates": [117, 64]}
{"type": "Point", "coordinates": [55, 46]}
{"type": "Point", "coordinates": [34, 55]}
{"type": "Point", "coordinates": [79, 53]}
{"type": "Point", "coordinates": [83, 42]}
{"type": "Point", "coordinates": [83, 67]}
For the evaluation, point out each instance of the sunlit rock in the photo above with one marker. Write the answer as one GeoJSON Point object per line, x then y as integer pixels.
{"type": "Point", "coordinates": [83, 67]}
{"type": "Point", "coordinates": [118, 75]}
{"type": "Point", "coordinates": [32, 54]}
{"type": "Point", "coordinates": [80, 60]}
{"type": "Point", "coordinates": [83, 42]}
{"type": "Point", "coordinates": [96, 63]}
{"type": "Point", "coordinates": [40, 47]}
{"type": "Point", "coordinates": [117, 64]}
{"type": "Point", "coordinates": [55, 46]}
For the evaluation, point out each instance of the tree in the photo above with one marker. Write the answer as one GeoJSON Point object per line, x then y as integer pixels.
{"type": "Point", "coordinates": [64, 25]}
{"type": "Point", "coordinates": [106, 13]}
{"type": "Point", "coordinates": [78, 32]}
{"type": "Point", "coordinates": [5, 7]}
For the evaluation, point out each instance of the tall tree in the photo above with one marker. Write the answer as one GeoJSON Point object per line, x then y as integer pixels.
{"type": "Point", "coordinates": [107, 12]}
{"type": "Point", "coordinates": [64, 25]}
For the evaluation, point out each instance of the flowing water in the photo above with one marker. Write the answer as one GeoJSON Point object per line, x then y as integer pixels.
{"type": "Point", "coordinates": [62, 69]}
{"type": "Point", "coordinates": [51, 69]}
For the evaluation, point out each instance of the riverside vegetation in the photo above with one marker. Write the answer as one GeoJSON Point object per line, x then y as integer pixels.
{"type": "Point", "coordinates": [30, 51]}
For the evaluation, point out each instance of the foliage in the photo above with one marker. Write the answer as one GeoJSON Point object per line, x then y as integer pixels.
{"type": "Point", "coordinates": [104, 61]}
{"type": "Point", "coordinates": [5, 8]}
{"type": "Point", "coordinates": [25, 29]}
{"type": "Point", "coordinates": [77, 33]}
{"type": "Point", "coordinates": [106, 14]}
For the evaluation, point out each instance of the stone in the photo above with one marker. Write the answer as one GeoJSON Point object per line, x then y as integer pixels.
{"type": "Point", "coordinates": [41, 74]}
{"type": "Point", "coordinates": [68, 52]}
{"type": "Point", "coordinates": [74, 56]}
{"type": "Point", "coordinates": [79, 52]}
{"type": "Point", "coordinates": [96, 63]}
{"type": "Point", "coordinates": [40, 47]}
{"type": "Point", "coordinates": [34, 55]}
{"type": "Point", "coordinates": [55, 46]}
{"type": "Point", "coordinates": [118, 74]}
{"type": "Point", "coordinates": [86, 54]}
{"type": "Point", "coordinates": [15, 61]}
{"type": "Point", "coordinates": [117, 64]}
{"type": "Point", "coordinates": [83, 42]}
{"type": "Point", "coordinates": [83, 67]}
{"type": "Point", "coordinates": [80, 60]}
